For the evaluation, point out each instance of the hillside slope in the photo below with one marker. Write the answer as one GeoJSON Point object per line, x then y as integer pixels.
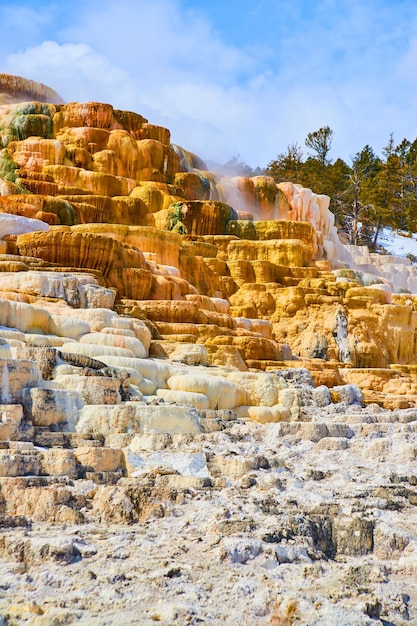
{"type": "Point", "coordinates": [208, 403]}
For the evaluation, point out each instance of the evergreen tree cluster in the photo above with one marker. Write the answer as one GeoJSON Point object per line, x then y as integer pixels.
{"type": "Point", "coordinates": [369, 193]}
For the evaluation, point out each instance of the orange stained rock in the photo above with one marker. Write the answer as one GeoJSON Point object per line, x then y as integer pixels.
{"type": "Point", "coordinates": [243, 332]}
{"type": "Point", "coordinates": [402, 381]}
{"type": "Point", "coordinates": [95, 182]}
{"type": "Point", "coordinates": [74, 249]}
{"type": "Point", "coordinates": [87, 213]}
{"type": "Point", "coordinates": [248, 309]}
{"type": "Point", "coordinates": [329, 378]}
{"type": "Point", "coordinates": [401, 387]}
{"type": "Point", "coordinates": [140, 160]}
{"type": "Point", "coordinates": [290, 252]}
{"type": "Point", "coordinates": [210, 331]}
{"type": "Point", "coordinates": [131, 256]}
{"type": "Point", "coordinates": [63, 211]}
{"type": "Point", "coordinates": [370, 379]}
{"type": "Point", "coordinates": [17, 296]}
{"type": "Point", "coordinates": [216, 265]}
{"type": "Point", "coordinates": [164, 244]}
{"type": "Point", "coordinates": [151, 131]}
{"type": "Point", "coordinates": [156, 161]}
{"type": "Point", "coordinates": [256, 297]}
{"type": "Point", "coordinates": [397, 326]}
{"type": "Point", "coordinates": [226, 356]}
{"type": "Point", "coordinates": [8, 188]}
{"type": "Point", "coordinates": [408, 370]}
{"type": "Point", "coordinates": [35, 152]}
{"type": "Point", "coordinates": [38, 187]}
{"type": "Point", "coordinates": [13, 266]}
{"type": "Point", "coordinates": [227, 286]}
{"type": "Point", "coordinates": [125, 147]}
{"type": "Point", "coordinates": [376, 334]}
{"type": "Point", "coordinates": [115, 174]}
{"type": "Point", "coordinates": [156, 196]}
{"type": "Point", "coordinates": [175, 339]}
{"type": "Point", "coordinates": [107, 162]}
{"type": "Point", "coordinates": [264, 327]}
{"type": "Point", "coordinates": [321, 284]}
{"type": "Point", "coordinates": [91, 139]}
{"type": "Point", "coordinates": [177, 328]}
{"type": "Point", "coordinates": [18, 89]}
{"type": "Point", "coordinates": [94, 209]}
{"type": "Point", "coordinates": [264, 271]}
{"type": "Point", "coordinates": [320, 299]}
{"type": "Point", "coordinates": [368, 354]}
{"type": "Point", "coordinates": [196, 247]}
{"type": "Point", "coordinates": [33, 199]}
{"type": "Point", "coordinates": [127, 210]}
{"type": "Point", "coordinates": [382, 334]}
{"type": "Point", "coordinates": [162, 310]}
{"type": "Point", "coordinates": [201, 331]}
{"type": "Point", "coordinates": [405, 299]}
{"type": "Point", "coordinates": [169, 288]}
{"type": "Point", "coordinates": [128, 120]}
{"type": "Point", "coordinates": [196, 271]}
{"type": "Point", "coordinates": [274, 229]}
{"type": "Point", "coordinates": [79, 157]}
{"type": "Point", "coordinates": [192, 186]}
{"type": "Point", "coordinates": [323, 265]}
{"type": "Point", "coordinates": [90, 208]}
{"type": "Point", "coordinates": [220, 319]}
{"type": "Point", "coordinates": [256, 348]}
{"type": "Point", "coordinates": [48, 218]}
{"type": "Point", "coordinates": [222, 244]}
{"type": "Point", "coordinates": [365, 294]}
{"type": "Point", "coordinates": [268, 198]}
{"type": "Point", "coordinates": [311, 332]}
{"type": "Point", "coordinates": [18, 205]}
{"type": "Point", "coordinates": [241, 271]}
{"type": "Point", "coordinates": [131, 282]}
{"type": "Point", "coordinates": [203, 301]}
{"type": "Point", "coordinates": [200, 217]}
{"type": "Point", "coordinates": [76, 114]}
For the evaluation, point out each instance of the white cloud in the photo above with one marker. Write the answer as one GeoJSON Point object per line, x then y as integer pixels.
{"type": "Point", "coordinates": [74, 70]}
{"type": "Point", "coordinates": [166, 64]}
{"type": "Point", "coordinates": [143, 37]}
{"type": "Point", "coordinates": [346, 63]}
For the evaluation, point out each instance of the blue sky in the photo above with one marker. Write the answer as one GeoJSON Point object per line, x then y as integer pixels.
{"type": "Point", "coordinates": [229, 77]}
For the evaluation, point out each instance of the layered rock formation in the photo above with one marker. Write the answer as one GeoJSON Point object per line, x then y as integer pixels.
{"type": "Point", "coordinates": [18, 89]}
{"type": "Point", "coordinates": [176, 345]}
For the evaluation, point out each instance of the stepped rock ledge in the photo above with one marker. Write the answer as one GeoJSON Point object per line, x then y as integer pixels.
{"type": "Point", "coordinates": [208, 403]}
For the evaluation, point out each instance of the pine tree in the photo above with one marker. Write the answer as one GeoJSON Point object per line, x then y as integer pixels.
{"type": "Point", "coordinates": [388, 188]}
{"type": "Point", "coordinates": [406, 152]}
{"type": "Point", "coordinates": [359, 213]}
{"type": "Point", "coordinates": [337, 187]}
{"type": "Point", "coordinates": [320, 142]}
{"type": "Point", "coordinates": [369, 194]}
{"type": "Point", "coordinates": [288, 166]}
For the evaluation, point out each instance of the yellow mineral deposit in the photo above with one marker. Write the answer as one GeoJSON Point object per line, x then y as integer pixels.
{"type": "Point", "coordinates": [156, 226]}
{"type": "Point", "coordinates": [250, 270]}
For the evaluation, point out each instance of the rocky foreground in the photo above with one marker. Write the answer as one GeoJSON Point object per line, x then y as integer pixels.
{"type": "Point", "coordinates": [310, 522]}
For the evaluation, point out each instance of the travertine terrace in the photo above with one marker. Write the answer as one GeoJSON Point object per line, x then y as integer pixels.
{"type": "Point", "coordinates": [208, 405]}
